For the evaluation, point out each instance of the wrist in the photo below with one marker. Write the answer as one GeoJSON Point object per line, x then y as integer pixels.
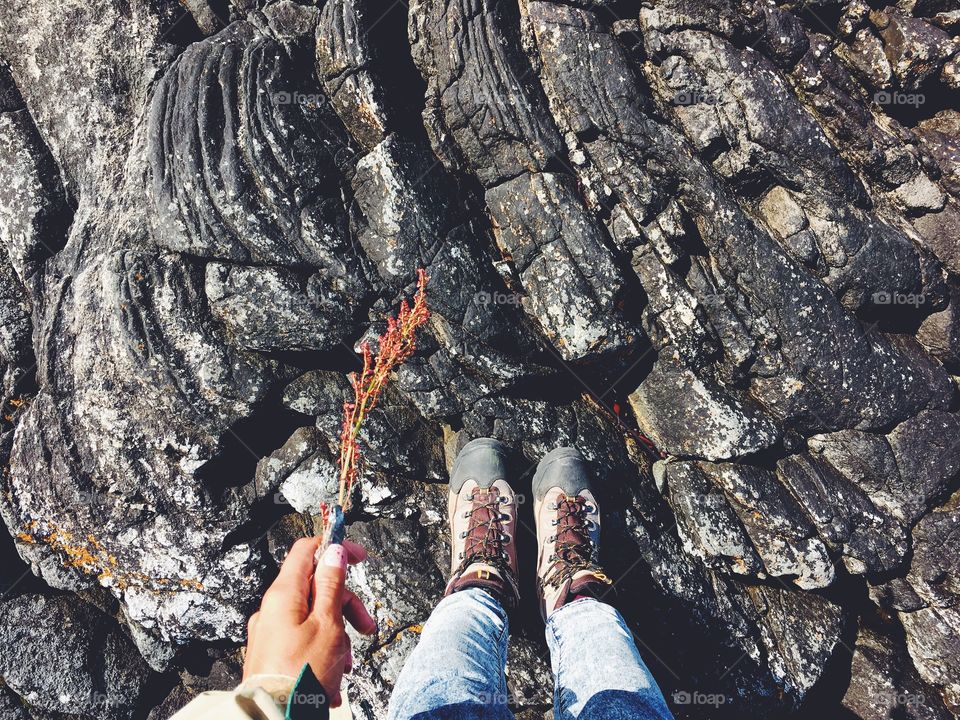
{"type": "Point", "coordinates": [277, 685]}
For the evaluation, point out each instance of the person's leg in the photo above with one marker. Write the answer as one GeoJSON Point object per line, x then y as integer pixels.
{"type": "Point", "coordinates": [457, 669]}
{"type": "Point", "coordinates": [598, 672]}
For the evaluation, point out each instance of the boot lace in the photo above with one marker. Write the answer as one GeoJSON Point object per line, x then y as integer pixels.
{"type": "Point", "coordinates": [574, 550]}
{"type": "Point", "coordinates": [485, 538]}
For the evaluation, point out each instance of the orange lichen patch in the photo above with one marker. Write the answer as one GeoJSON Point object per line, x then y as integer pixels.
{"type": "Point", "coordinates": [27, 538]}
{"type": "Point", "coordinates": [78, 556]}
{"type": "Point", "coordinates": [92, 558]}
{"type": "Point", "coordinates": [417, 629]}
{"type": "Point", "coordinates": [16, 402]}
{"type": "Point", "coordinates": [369, 114]}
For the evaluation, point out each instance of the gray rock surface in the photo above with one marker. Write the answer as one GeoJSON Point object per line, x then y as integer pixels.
{"type": "Point", "coordinates": [882, 686]}
{"type": "Point", "coordinates": [80, 662]}
{"type": "Point", "coordinates": [721, 234]}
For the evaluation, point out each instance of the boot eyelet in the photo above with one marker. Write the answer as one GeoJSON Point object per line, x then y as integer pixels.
{"type": "Point", "coordinates": [552, 538]}
{"type": "Point", "coordinates": [554, 523]}
{"type": "Point", "coordinates": [468, 513]}
{"type": "Point", "coordinates": [470, 497]}
{"type": "Point", "coordinates": [463, 534]}
{"type": "Point", "coordinates": [460, 556]}
{"type": "Point", "coordinates": [552, 506]}
{"type": "Point", "coordinates": [504, 517]}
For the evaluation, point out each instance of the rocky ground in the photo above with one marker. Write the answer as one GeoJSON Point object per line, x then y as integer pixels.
{"type": "Point", "coordinates": [712, 243]}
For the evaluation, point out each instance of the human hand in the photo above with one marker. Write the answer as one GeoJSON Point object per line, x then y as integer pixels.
{"type": "Point", "coordinates": [301, 617]}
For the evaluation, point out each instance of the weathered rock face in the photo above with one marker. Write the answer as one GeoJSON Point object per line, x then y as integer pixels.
{"type": "Point", "coordinates": [721, 235]}
{"type": "Point", "coordinates": [77, 662]}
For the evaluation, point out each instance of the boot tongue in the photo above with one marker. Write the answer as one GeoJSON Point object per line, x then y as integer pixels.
{"type": "Point", "coordinates": [484, 543]}
{"type": "Point", "coordinates": [483, 535]}
{"type": "Point", "coordinates": [571, 531]}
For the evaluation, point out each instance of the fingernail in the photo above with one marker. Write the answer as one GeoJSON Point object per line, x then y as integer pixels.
{"type": "Point", "coordinates": [335, 556]}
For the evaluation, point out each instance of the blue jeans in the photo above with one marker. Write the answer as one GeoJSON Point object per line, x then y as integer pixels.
{"type": "Point", "coordinates": [456, 672]}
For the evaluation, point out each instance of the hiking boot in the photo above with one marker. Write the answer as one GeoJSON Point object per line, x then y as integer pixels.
{"type": "Point", "coordinates": [483, 521]}
{"type": "Point", "coordinates": [568, 530]}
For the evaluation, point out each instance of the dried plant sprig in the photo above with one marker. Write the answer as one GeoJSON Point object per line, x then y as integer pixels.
{"type": "Point", "coordinates": [395, 346]}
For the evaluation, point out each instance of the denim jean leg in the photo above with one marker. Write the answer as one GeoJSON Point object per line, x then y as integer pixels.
{"type": "Point", "coordinates": [456, 671]}
{"type": "Point", "coordinates": [598, 672]}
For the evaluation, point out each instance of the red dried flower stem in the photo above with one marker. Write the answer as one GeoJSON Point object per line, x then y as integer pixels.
{"type": "Point", "coordinates": [395, 346]}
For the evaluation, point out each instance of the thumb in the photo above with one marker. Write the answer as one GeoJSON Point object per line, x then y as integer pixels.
{"type": "Point", "coordinates": [329, 578]}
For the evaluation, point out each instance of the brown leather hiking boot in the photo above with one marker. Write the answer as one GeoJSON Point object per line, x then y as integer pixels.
{"type": "Point", "coordinates": [483, 521]}
{"type": "Point", "coordinates": [568, 530]}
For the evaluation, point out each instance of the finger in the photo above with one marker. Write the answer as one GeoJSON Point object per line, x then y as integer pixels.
{"type": "Point", "coordinates": [355, 552]}
{"type": "Point", "coordinates": [336, 700]}
{"type": "Point", "coordinates": [357, 614]}
{"type": "Point", "coordinates": [291, 590]}
{"type": "Point", "coordinates": [329, 579]}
